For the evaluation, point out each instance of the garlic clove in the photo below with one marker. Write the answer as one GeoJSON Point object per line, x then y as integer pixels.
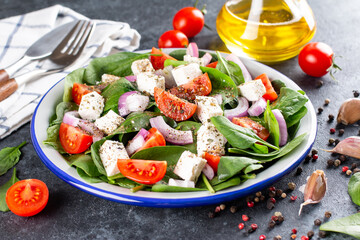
{"type": "Point", "coordinates": [349, 111]}
{"type": "Point", "coordinates": [349, 146]}
{"type": "Point", "coordinates": [315, 189]}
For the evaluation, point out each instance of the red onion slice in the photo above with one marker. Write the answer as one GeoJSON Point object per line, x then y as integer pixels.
{"type": "Point", "coordinates": [123, 110]}
{"type": "Point", "coordinates": [171, 135]}
{"type": "Point", "coordinates": [257, 107]}
{"type": "Point", "coordinates": [72, 118]}
{"type": "Point", "coordinates": [137, 142]}
{"type": "Point", "coordinates": [218, 98]}
{"type": "Point", "coordinates": [192, 50]}
{"type": "Point", "coordinates": [282, 126]}
{"type": "Point", "coordinates": [239, 111]}
{"type": "Point", "coordinates": [208, 171]}
{"type": "Point", "coordinates": [232, 57]}
{"type": "Point", "coordinates": [91, 128]}
{"type": "Point", "coordinates": [207, 58]}
{"type": "Point", "coordinates": [131, 78]}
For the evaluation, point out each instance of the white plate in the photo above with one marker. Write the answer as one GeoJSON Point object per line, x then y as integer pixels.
{"type": "Point", "coordinates": [57, 164]}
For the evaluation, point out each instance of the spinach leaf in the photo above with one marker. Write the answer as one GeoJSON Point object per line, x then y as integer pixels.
{"type": "Point", "coordinates": [85, 163]}
{"type": "Point", "coordinates": [180, 53]}
{"type": "Point", "coordinates": [60, 111]}
{"type": "Point", "coordinates": [75, 76]}
{"type": "Point", "coordinates": [174, 63]}
{"type": "Point", "coordinates": [237, 136]}
{"type": "Point", "coordinates": [230, 68]}
{"type": "Point", "coordinates": [349, 225]}
{"type": "Point", "coordinates": [230, 166]}
{"type": "Point", "coordinates": [259, 148]}
{"type": "Point", "coordinates": [277, 85]}
{"type": "Point", "coordinates": [221, 84]}
{"type": "Point", "coordinates": [9, 156]}
{"type": "Point", "coordinates": [135, 121]}
{"type": "Point", "coordinates": [234, 181]}
{"type": "Point", "coordinates": [125, 182]}
{"type": "Point", "coordinates": [354, 188]}
{"type": "Point", "coordinates": [272, 125]}
{"type": "Point", "coordinates": [95, 155]}
{"type": "Point", "coordinates": [167, 188]}
{"type": "Point", "coordinates": [289, 102]}
{"type": "Point", "coordinates": [296, 117]}
{"type": "Point", "coordinates": [113, 92]}
{"type": "Point", "coordinates": [192, 126]}
{"type": "Point", "coordinates": [3, 190]}
{"type": "Point", "coordinates": [88, 178]}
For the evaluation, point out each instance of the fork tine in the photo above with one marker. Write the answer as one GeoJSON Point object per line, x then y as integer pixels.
{"type": "Point", "coordinates": [76, 37]}
{"type": "Point", "coordinates": [69, 36]}
{"type": "Point", "coordinates": [83, 39]}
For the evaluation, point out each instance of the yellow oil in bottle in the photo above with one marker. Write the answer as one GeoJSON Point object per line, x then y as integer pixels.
{"type": "Point", "coordinates": [266, 30]}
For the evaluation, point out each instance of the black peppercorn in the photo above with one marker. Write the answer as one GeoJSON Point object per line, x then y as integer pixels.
{"type": "Point", "coordinates": [299, 171]}
{"type": "Point", "coordinates": [250, 229]}
{"type": "Point", "coordinates": [272, 224]}
{"type": "Point", "coordinates": [310, 234]}
{"type": "Point", "coordinates": [330, 163]}
{"type": "Point", "coordinates": [280, 219]}
{"type": "Point", "coordinates": [314, 151]}
{"type": "Point", "coordinates": [331, 117]}
{"type": "Point", "coordinates": [307, 159]}
{"type": "Point", "coordinates": [322, 234]}
{"type": "Point", "coordinates": [337, 141]}
{"type": "Point", "coordinates": [233, 209]}
{"type": "Point", "coordinates": [272, 194]}
{"type": "Point", "coordinates": [319, 83]}
{"type": "Point", "coordinates": [353, 166]}
{"type": "Point", "coordinates": [342, 158]}
{"type": "Point", "coordinates": [356, 93]}
{"type": "Point", "coordinates": [320, 110]}
{"type": "Point", "coordinates": [269, 204]}
{"type": "Point", "coordinates": [341, 132]}
{"type": "Point", "coordinates": [262, 198]}
{"type": "Point", "coordinates": [317, 222]}
{"type": "Point", "coordinates": [328, 214]}
{"type": "Point", "coordinates": [278, 192]}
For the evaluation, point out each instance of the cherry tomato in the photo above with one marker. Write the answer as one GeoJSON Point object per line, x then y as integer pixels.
{"type": "Point", "coordinates": [212, 65]}
{"type": "Point", "coordinates": [73, 139]}
{"type": "Point", "coordinates": [158, 61]}
{"type": "Point", "coordinates": [213, 160]}
{"type": "Point", "coordinates": [199, 86]}
{"type": "Point", "coordinates": [173, 39]}
{"type": "Point", "coordinates": [189, 20]}
{"type": "Point", "coordinates": [79, 90]}
{"type": "Point", "coordinates": [316, 59]}
{"type": "Point", "coordinates": [270, 92]}
{"type": "Point", "coordinates": [27, 197]}
{"type": "Point", "coordinates": [246, 122]}
{"type": "Point", "coordinates": [172, 106]}
{"type": "Point", "coordinates": [142, 171]}
{"type": "Point", "coordinates": [154, 139]}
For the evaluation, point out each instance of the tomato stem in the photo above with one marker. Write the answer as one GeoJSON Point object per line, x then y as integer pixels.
{"type": "Point", "coordinates": [207, 184]}
{"type": "Point", "coordinates": [333, 68]}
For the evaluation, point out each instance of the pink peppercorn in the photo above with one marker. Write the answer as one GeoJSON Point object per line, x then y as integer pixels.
{"type": "Point", "coordinates": [241, 226]}
{"type": "Point", "coordinates": [262, 237]}
{"type": "Point", "coordinates": [251, 204]}
{"type": "Point", "coordinates": [293, 198]}
{"type": "Point", "coordinates": [273, 200]}
{"type": "Point", "coordinates": [294, 231]}
{"type": "Point", "coordinates": [332, 130]}
{"type": "Point", "coordinates": [345, 168]}
{"type": "Point", "coordinates": [304, 238]}
{"type": "Point", "coordinates": [254, 226]}
{"type": "Point", "coordinates": [245, 218]}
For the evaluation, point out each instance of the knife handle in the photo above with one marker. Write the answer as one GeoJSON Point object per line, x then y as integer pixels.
{"type": "Point", "coordinates": [7, 88]}
{"type": "Point", "coordinates": [3, 75]}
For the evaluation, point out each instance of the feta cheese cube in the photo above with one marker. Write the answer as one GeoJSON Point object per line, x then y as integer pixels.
{"type": "Point", "coordinates": [110, 152]}
{"type": "Point", "coordinates": [252, 90]}
{"type": "Point", "coordinates": [142, 65]}
{"type": "Point", "coordinates": [181, 183]}
{"type": "Point", "coordinates": [210, 140]}
{"type": "Point", "coordinates": [189, 166]}
{"type": "Point", "coordinates": [109, 122]}
{"type": "Point", "coordinates": [191, 59]}
{"type": "Point", "coordinates": [91, 106]}
{"type": "Point", "coordinates": [207, 107]}
{"type": "Point", "coordinates": [185, 73]}
{"type": "Point", "coordinates": [147, 81]}
{"type": "Point", "coordinates": [108, 78]}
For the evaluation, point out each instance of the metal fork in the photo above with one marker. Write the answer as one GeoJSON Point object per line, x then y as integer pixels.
{"type": "Point", "coordinates": [64, 55]}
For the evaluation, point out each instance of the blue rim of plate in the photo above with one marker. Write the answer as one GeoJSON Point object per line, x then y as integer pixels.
{"type": "Point", "coordinates": [132, 199]}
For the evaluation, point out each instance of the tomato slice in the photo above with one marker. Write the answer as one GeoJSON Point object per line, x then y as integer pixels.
{"type": "Point", "coordinates": [199, 86]}
{"type": "Point", "coordinates": [142, 171]}
{"type": "Point", "coordinates": [212, 65]}
{"type": "Point", "coordinates": [79, 90]}
{"type": "Point", "coordinates": [213, 160]}
{"type": "Point", "coordinates": [246, 122]}
{"type": "Point", "coordinates": [172, 106]}
{"type": "Point", "coordinates": [154, 139]}
{"type": "Point", "coordinates": [270, 92]}
{"type": "Point", "coordinates": [158, 61]}
{"type": "Point", "coordinates": [27, 197]}
{"type": "Point", "coordinates": [73, 139]}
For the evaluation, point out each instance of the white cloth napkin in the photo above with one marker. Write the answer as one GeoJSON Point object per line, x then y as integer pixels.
{"type": "Point", "coordinates": [19, 32]}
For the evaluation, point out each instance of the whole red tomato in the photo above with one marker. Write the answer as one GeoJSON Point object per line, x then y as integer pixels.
{"type": "Point", "coordinates": [173, 39]}
{"type": "Point", "coordinates": [317, 59]}
{"type": "Point", "coordinates": [189, 20]}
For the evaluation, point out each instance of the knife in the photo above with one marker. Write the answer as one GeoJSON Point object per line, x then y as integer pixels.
{"type": "Point", "coordinates": [42, 48]}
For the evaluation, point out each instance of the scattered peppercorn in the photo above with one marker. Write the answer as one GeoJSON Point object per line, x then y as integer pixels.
{"type": "Point", "coordinates": [294, 231]}
{"type": "Point", "coordinates": [353, 166]}
{"type": "Point", "coordinates": [322, 234]}
{"type": "Point", "coordinates": [319, 83]}
{"type": "Point", "coordinates": [269, 204]}
{"type": "Point", "coordinates": [273, 200]}
{"type": "Point", "coordinates": [342, 158]}
{"type": "Point", "coordinates": [283, 195]}
{"type": "Point", "coordinates": [293, 236]}
{"type": "Point", "coordinates": [348, 172]}
{"type": "Point", "coordinates": [331, 141]}
{"type": "Point", "coordinates": [262, 198]}
{"type": "Point", "coordinates": [307, 158]}
{"type": "Point", "coordinates": [280, 219]}
{"type": "Point", "coordinates": [217, 209]}
{"type": "Point", "coordinates": [250, 204]}
{"type": "Point", "coordinates": [293, 198]}
{"type": "Point", "coordinates": [262, 237]}
{"type": "Point", "coordinates": [320, 110]}
{"type": "Point", "coordinates": [332, 130]}
{"type": "Point", "coordinates": [211, 214]}
{"type": "Point", "coordinates": [330, 163]}
{"type": "Point", "coordinates": [337, 141]}
{"type": "Point", "coordinates": [222, 206]}
{"type": "Point", "coordinates": [344, 169]}
{"type": "Point", "coordinates": [274, 218]}
{"type": "Point", "coordinates": [317, 222]}
{"type": "Point", "coordinates": [310, 234]}
{"type": "Point", "coordinates": [359, 132]}
{"type": "Point", "coordinates": [292, 186]}
{"type": "Point", "coordinates": [314, 151]}
{"type": "Point", "coordinates": [258, 194]}
{"type": "Point", "coordinates": [315, 157]}
{"type": "Point", "coordinates": [256, 199]}
{"type": "Point", "coordinates": [304, 238]}
{"type": "Point", "coordinates": [254, 226]}
{"type": "Point", "coordinates": [337, 163]}
{"type": "Point", "coordinates": [245, 218]}
{"type": "Point", "coordinates": [249, 199]}
{"type": "Point", "coordinates": [327, 101]}
{"type": "Point", "coordinates": [356, 170]}
{"type": "Point", "coordinates": [272, 224]}
{"type": "Point", "coordinates": [272, 188]}
{"type": "Point", "coordinates": [233, 209]}
{"type": "Point", "coordinates": [241, 226]}
{"type": "Point", "coordinates": [279, 192]}
{"type": "Point", "coordinates": [356, 93]}
{"type": "Point", "coordinates": [331, 118]}
{"type": "Point", "coordinates": [328, 214]}
{"type": "Point", "coordinates": [299, 171]}
{"type": "Point", "coordinates": [341, 132]}
{"type": "Point", "coordinates": [272, 194]}
{"type": "Point", "coordinates": [278, 237]}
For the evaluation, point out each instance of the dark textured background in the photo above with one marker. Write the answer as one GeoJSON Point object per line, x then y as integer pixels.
{"type": "Point", "coordinates": [72, 213]}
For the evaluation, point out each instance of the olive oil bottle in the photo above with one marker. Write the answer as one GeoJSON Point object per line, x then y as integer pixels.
{"type": "Point", "coordinates": [266, 30]}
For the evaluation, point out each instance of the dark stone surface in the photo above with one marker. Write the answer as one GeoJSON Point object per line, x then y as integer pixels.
{"type": "Point", "coordinates": [74, 214]}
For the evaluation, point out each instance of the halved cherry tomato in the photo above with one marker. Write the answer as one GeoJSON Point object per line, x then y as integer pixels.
{"type": "Point", "coordinates": [79, 90]}
{"type": "Point", "coordinates": [199, 86]}
{"type": "Point", "coordinates": [142, 171]}
{"type": "Point", "coordinates": [173, 39]}
{"type": "Point", "coordinates": [158, 61]}
{"type": "Point", "coordinates": [154, 139]}
{"type": "Point", "coordinates": [270, 92]}
{"type": "Point", "coordinates": [246, 122]}
{"type": "Point", "coordinates": [212, 65]}
{"type": "Point", "coordinates": [172, 106]}
{"type": "Point", "coordinates": [213, 160]}
{"type": "Point", "coordinates": [27, 197]}
{"type": "Point", "coordinates": [189, 20]}
{"type": "Point", "coordinates": [74, 140]}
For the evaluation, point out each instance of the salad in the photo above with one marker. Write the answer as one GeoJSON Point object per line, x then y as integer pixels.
{"type": "Point", "coordinates": [185, 121]}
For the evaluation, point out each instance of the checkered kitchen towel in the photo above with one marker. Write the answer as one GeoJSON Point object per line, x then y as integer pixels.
{"type": "Point", "coordinates": [19, 32]}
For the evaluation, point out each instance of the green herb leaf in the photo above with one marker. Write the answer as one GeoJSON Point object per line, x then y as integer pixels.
{"type": "Point", "coordinates": [174, 63]}
{"type": "Point", "coordinates": [3, 190]}
{"type": "Point", "coordinates": [167, 188]}
{"type": "Point", "coordinates": [230, 68]}
{"type": "Point", "coordinates": [9, 157]}
{"type": "Point", "coordinates": [277, 85]}
{"type": "Point", "coordinates": [296, 117]}
{"type": "Point", "coordinates": [354, 188]}
{"type": "Point", "coordinates": [135, 121]}
{"type": "Point", "coordinates": [85, 163]}
{"type": "Point", "coordinates": [272, 125]}
{"type": "Point", "coordinates": [230, 166]}
{"type": "Point", "coordinates": [289, 102]}
{"type": "Point", "coordinates": [349, 225]}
